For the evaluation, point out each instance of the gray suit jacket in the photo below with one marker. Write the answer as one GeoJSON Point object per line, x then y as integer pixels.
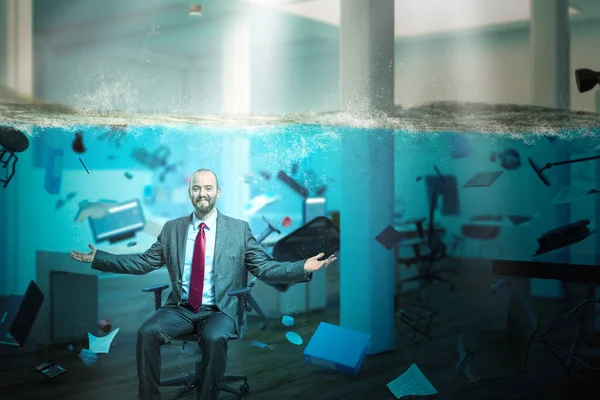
{"type": "Point", "coordinates": [236, 253]}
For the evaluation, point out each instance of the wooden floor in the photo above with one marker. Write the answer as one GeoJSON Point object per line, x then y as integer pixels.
{"type": "Point", "coordinates": [283, 374]}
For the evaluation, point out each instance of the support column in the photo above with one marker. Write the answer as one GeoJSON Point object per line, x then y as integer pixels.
{"type": "Point", "coordinates": [16, 72]}
{"type": "Point", "coordinates": [367, 85]}
{"type": "Point", "coordinates": [235, 160]}
{"type": "Point", "coordinates": [550, 45]}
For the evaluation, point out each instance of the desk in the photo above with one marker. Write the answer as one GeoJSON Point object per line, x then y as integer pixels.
{"type": "Point", "coordinates": [412, 232]}
{"type": "Point", "coordinates": [589, 274]}
{"type": "Point", "coordinates": [547, 270]}
{"type": "Point", "coordinates": [47, 328]}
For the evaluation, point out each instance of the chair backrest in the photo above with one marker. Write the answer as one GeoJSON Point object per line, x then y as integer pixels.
{"type": "Point", "coordinates": [435, 243]}
{"type": "Point", "coordinates": [522, 323]}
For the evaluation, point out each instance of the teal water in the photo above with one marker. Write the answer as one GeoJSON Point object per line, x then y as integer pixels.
{"type": "Point", "coordinates": [42, 216]}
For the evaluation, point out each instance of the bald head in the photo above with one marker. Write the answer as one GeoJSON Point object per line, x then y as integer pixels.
{"type": "Point", "coordinates": [205, 171]}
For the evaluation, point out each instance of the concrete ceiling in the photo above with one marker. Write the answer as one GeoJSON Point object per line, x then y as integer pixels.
{"type": "Point", "coordinates": [165, 27]}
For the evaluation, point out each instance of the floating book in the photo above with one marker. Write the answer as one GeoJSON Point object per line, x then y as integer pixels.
{"type": "Point", "coordinates": [337, 348]}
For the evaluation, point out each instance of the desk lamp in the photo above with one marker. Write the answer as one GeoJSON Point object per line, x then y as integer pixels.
{"type": "Point", "coordinates": [540, 171]}
{"type": "Point", "coordinates": [586, 79]}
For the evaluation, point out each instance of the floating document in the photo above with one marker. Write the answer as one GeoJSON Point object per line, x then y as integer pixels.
{"type": "Point", "coordinates": [509, 221]}
{"type": "Point", "coordinates": [521, 219]}
{"type": "Point", "coordinates": [94, 210]}
{"type": "Point", "coordinates": [389, 237]}
{"type": "Point", "coordinates": [567, 194]}
{"type": "Point", "coordinates": [411, 383]}
{"type": "Point", "coordinates": [483, 179]}
{"type": "Point", "coordinates": [258, 202]}
{"type": "Point", "coordinates": [101, 344]}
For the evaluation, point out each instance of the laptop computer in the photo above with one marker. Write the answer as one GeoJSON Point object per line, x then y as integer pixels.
{"type": "Point", "coordinates": [318, 236]}
{"type": "Point", "coordinates": [19, 315]}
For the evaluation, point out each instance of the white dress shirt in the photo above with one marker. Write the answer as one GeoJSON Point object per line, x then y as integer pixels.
{"type": "Point", "coordinates": [208, 294]}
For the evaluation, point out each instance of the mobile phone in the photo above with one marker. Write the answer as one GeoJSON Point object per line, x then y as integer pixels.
{"type": "Point", "coordinates": [50, 369]}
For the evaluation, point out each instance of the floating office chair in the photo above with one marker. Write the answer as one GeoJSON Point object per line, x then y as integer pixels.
{"type": "Point", "coordinates": [489, 354]}
{"type": "Point", "coordinates": [437, 252]}
{"type": "Point", "coordinates": [192, 382]}
{"type": "Point", "coordinates": [11, 141]}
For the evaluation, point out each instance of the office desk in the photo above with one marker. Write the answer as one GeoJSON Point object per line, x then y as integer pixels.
{"type": "Point", "coordinates": [409, 231]}
{"type": "Point", "coordinates": [76, 287]}
{"type": "Point", "coordinates": [589, 274]}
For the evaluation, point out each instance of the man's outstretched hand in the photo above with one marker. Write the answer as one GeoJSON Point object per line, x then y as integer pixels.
{"type": "Point", "coordinates": [313, 264]}
{"type": "Point", "coordinates": [84, 257]}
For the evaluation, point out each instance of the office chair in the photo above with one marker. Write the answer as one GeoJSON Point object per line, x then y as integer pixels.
{"type": "Point", "coordinates": [192, 382]}
{"type": "Point", "coordinates": [437, 251]}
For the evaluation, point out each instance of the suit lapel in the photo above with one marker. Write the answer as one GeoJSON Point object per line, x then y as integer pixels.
{"type": "Point", "coordinates": [182, 232]}
{"type": "Point", "coordinates": [220, 236]}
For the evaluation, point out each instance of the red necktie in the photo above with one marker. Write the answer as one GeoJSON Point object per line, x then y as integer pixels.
{"type": "Point", "coordinates": [197, 279]}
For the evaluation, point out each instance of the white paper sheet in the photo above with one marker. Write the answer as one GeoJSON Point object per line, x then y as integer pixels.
{"type": "Point", "coordinates": [567, 194]}
{"type": "Point", "coordinates": [411, 383]}
{"type": "Point", "coordinates": [101, 344]}
{"type": "Point", "coordinates": [258, 202]}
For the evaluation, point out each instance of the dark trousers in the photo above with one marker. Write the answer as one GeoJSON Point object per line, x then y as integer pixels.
{"type": "Point", "coordinates": [213, 328]}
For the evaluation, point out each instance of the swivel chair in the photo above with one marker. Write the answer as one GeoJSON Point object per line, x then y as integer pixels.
{"type": "Point", "coordinates": [191, 382]}
{"type": "Point", "coordinates": [437, 252]}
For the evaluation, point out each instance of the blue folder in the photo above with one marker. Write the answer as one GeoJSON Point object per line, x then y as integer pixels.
{"type": "Point", "coordinates": [337, 348]}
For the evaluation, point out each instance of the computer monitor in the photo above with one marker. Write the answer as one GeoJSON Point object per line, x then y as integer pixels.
{"type": "Point", "coordinates": [122, 222]}
{"type": "Point", "coordinates": [19, 315]}
{"type": "Point", "coordinates": [446, 189]}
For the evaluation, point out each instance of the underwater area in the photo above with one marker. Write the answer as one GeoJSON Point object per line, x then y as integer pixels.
{"type": "Point", "coordinates": [489, 182]}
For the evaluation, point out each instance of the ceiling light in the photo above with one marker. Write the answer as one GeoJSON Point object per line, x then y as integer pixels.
{"type": "Point", "coordinates": [196, 10]}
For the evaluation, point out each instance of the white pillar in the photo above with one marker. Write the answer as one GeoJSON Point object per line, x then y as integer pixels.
{"type": "Point", "coordinates": [550, 48]}
{"type": "Point", "coordinates": [235, 160]}
{"type": "Point", "coordinates": [367, 84]}
{"type": "Point", "coordinates": [18, 45]}
{"type": "Point", "coordinates": [16, 35]}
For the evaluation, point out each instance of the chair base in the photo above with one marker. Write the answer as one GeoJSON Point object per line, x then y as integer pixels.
{"type": "Point", "coordinates": [430, 275]}
{"type": "Point", "coordinates": [192, 382]}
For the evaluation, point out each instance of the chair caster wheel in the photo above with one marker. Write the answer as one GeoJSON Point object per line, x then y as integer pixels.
{"type": "Point", "coordinates": [244, 387]}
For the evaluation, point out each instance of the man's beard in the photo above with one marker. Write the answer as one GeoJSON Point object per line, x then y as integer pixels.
{"type": "Point", "coordinates": [206, 207]}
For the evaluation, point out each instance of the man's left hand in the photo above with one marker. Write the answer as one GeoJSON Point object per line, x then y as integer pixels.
{"type": "Point", "coordinates": [313, 264]}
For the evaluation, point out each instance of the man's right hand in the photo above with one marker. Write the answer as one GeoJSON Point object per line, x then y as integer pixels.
{"type": "Point", "coordinates": [84, 257]}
